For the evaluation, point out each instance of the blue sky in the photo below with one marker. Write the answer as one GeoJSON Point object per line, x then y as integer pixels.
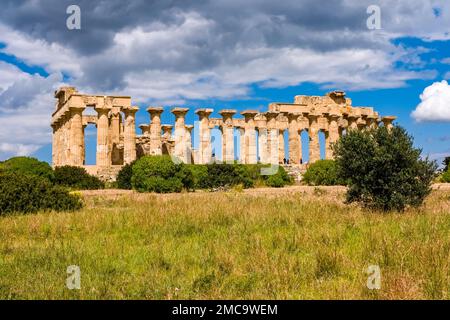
{"type": "Point", "coordinates": [224, 54]}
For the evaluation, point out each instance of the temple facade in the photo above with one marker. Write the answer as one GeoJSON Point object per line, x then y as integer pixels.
{"type": "Point", "coordinates": [260, 135]}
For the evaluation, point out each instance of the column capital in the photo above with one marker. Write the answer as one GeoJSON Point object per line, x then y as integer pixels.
{"type": "Point", "coordinates": [155, 110]}
{"type": "Point", "coordinates": [189, 127]}
{"type": "Point", "coordinates": [145, 128]}
{"type": "Point", "coordinates": [130, 110]}
{"type": "Point", "coordinates": [204, 112]}
{"type": "Point", "coordinates": [179, 112]}
{"type": "Point", "coordinates": [249, 113]}
{"type": "Point", "coordinates": [227, 112]}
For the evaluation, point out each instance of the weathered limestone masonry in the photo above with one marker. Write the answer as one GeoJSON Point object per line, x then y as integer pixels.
{"type": "Point", "coordinates": [261, 134]}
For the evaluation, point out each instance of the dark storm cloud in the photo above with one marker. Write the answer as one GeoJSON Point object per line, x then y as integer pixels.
{"type": "Point", "coordinates": [278, 23]}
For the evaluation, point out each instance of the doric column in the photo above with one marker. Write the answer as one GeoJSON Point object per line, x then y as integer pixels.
{"type": "Point", "coordinates": [371, 121]}
{"type": "Point", "coordinates": [180, 133]}
{"type": "Point", "coordinates": [227, 135]}
{"type": "Point", "coordinates": [249, 146]}
{"type": "Point", "coordinates": [361, 124]}
{"type": "Point", "coordinates": [188, 143]}
{"type": "Point", "coordinates": [66, 139]}
{"type": "Point", "coordinates": [167, 131]}
{"type": "Point", "coordinates": [129, 135]}
{"type": "Point", "coordinates": [387, 121]}
{"type": "Point", "coordinates": [272, 136]}
{"type": "Point", "coordinates": [155, 130]}
{"type": "Point", "coordinates": [76, 136]}
{"type": "Point", "coordinates": [102, 137]}
{"type": "Point", "coordinates": [242, 147]}
{"type": "Point", "coordinates": [145, 129]}
{"type": "Point", "coordinates": [333, 134]}
{"type": "Point", "coordinates": [294, 138]}
{"type": "Point", "coordinates": [204, 148]}
{"type": "Point", "coordinates": [314, 146]}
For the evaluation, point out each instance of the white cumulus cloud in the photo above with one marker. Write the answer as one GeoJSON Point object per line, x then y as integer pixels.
{"type": "Point", "coordinates": [435, 105]}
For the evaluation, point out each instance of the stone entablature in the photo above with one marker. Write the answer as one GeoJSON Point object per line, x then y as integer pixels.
{"type": "Point", "coordinates": [261, 135]}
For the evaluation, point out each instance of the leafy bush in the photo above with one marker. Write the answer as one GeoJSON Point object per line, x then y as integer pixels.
{"type": "Point", "coordinates": [124, 176]}
{"type": "Point", "coordinates": [322, 173]}
{"type": "Point", "coordinates": [383, 169]}
{"type": "Point", "coordinates": [199, 175]}
{"type": "Point", "coordinates": [160, 174]}
{"type": "Point", "coordinates": [30, 193]}
{"type": "Point", "coordinates": [227, 175]}
{"type": "Point", "coordinates": [279, 179]}
{"type": "Point", "coordinates": [76, 178]}
{"type": "Point", "coordinates": [446, 176]}
{"type": "Point", "coordinates": [28, 166]}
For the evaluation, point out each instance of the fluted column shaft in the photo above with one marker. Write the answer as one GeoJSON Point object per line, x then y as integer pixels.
{"type": "Point", "coordinates": [250, 150]}
{"type": "Point", "coordinates": [204, 148]}
{"type": "Point", "coordinates": [294, 139]}
{"type": "Point", "coordinates": [314, 146]}
{"type": "Point", "coordinates": [180, 134]}
{"type": "Point", "coordinates": [272, 137]}
{"type": "Point", "coordinates": [129, 135]}
{"type": "Point", "coordinates": [102, 137]}
{"type": "Point", "coordinates": [332, 136]}
{"type": "Point", "coordinates": [227, 136]}
{"type": "Point", "coordinates": [76, 139]}
{"type": "Point", "coordinates": [155, 130]}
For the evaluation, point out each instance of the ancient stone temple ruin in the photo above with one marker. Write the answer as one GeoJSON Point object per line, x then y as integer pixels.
{"type": "Point", "coordinates": [260, 135]}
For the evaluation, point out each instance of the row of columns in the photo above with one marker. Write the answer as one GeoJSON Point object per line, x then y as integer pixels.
{"type": "Point", "coordinates": [68, 136]}
{"type": "Point", "coordinates": [270, 136]}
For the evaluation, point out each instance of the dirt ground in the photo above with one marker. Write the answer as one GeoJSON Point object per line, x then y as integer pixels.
{"type": "Point", "coordinates": [265, 191]}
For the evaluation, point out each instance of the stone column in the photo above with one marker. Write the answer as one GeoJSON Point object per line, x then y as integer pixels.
{"type": "Point", "coordinates": [76, 139]}
{"type": "Point", "coordinates": [272, 136]}
{"type": "Point", "coordinates": [188, 143]}
{"type": "Point", "coordinates": [227, 135]}
{"type": "Point", "coordinates": [387, 121]}
{"type": "Point", "coordinates": [352, 122]}
{"type": "Point", "coordinates": [129, 135]}
{"type": "Point", "coordinates": [180, 133]}
{"type": "Point", "coordinates": [102, 137]}
{"type": "Point", "coordinates": [333, 134]}
{"type": "Point", "coordinates": [250, 151]}
{"type": "Point", "coordinates": [314, 146]}
{"type": "Point", "coordinates": [361, 124]}
{"type": "Point", "coordinates": [281, 155]}
{"type": "Point", "coordinates": [167, 131]}
{"type": "Point", "coordinates": [155, 130]}
{"type": "Point", "coordinates": [204, 148]}
{"type": "Point", "coordinates": [295, 149]}
{"type": "Point", "coordinates": [145, 129]}
{"type": "Point", "coordinates": [371, 121]}
{"type": "Point", "coordinates": [242, 147]}
{"type": "Point", "coordinates": [66, 139]}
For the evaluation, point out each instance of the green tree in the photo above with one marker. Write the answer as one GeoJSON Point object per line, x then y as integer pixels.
{"type": "Point", "coordinates": [383, 169]}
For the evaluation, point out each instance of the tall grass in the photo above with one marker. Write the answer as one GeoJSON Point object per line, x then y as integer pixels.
{"type": "Point", "coordinates": [227, 246]}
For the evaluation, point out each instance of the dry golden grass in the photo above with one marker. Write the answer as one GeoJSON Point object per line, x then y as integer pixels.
{"type": "Point", "coordinates": [294, 243]}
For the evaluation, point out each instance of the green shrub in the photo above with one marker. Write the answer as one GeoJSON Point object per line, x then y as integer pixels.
{"type": "Point", "coordinates": [160, 174]}
{"type": "Point", "coordinates": [228, 175]}
{"type": "Point", "coordinates": [77, 178]}
{"type": "Point", "coordinates": [28, 166]}
{"type": "Point", "coordinates": [279, 179]}
{"type": "Point", "coordinates": [446, 176]}
{"type": "Point", "coordinates": [322, 173]}
{"type": "Point", "coordinates": [383, 169]}
{"type": "Point", "coordinates": [124, 176]}
{"type": "Point", "coordinates": [199, 175]}
{"type": "Point", "coordinates": [30, 193]}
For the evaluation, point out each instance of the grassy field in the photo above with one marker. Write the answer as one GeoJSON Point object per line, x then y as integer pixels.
{"type": "Point", "coordinates": [295, 243]}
